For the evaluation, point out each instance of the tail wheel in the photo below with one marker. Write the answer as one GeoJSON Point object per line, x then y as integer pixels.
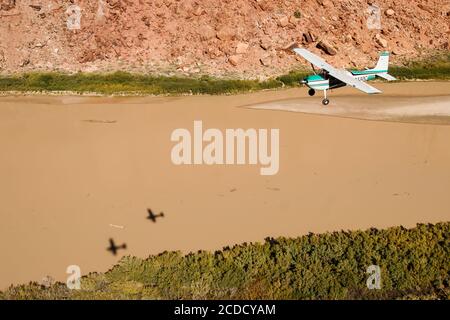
{"type": "Point", "coordinates": [325, 102]}
{"type": "Point", "coordinates": [311, 92]}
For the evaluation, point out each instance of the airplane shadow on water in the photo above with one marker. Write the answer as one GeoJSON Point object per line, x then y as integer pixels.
{"type": "Point", "coordinates": [151, 216]}
{"type": "Point", "coordinates": [113, 248]}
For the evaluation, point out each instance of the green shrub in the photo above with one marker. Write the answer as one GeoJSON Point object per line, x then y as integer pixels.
{"type": "Point", "coordinates": [293, 78]}
{"type": "Point", "coordinates": [415, 264]}
{"type": "Point", "coordinates": [123, 82]}
{"type": "Point", "coordinates": [435, 67]}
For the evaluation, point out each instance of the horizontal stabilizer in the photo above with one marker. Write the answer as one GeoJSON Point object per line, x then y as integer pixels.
{"type": "Point", "coordinates": [386, 76]}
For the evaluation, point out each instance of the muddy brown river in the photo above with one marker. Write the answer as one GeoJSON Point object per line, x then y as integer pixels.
{"type": "Point", "coordinates": [76, 171]}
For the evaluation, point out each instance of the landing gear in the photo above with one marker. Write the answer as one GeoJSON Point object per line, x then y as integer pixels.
{"type": "Point", "coordinates": [325, 101]}
{"type": "Point", "coordinates": [311, 92]}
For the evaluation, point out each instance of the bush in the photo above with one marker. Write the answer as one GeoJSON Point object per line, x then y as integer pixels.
{"type": "Point", "coordinates": [414, 265]}
{"type": "Point", "coordinates": [123, 82]}
{"type": "Point", "coordinates": [436, 67]}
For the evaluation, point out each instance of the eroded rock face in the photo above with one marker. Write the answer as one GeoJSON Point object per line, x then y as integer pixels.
{"type": "Point", "coordinates": [7, 4]}
{"type": "Point", "coordinates": [326, 47]}
{"type": "Point", "coordinates": [227, 37]}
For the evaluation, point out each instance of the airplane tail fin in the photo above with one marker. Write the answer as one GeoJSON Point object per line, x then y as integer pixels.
{"type": "Point", "coordinates": [383, 62]}
{"type": "Point", "coordinates": [382, 67]}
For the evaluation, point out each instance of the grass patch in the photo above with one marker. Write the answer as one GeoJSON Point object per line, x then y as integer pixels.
{"type": "Point", "coordinates": [415, 264]}
{"type": "Point", "coordinates": [123, 82]}
{"type": "Point", "coordinates": [293, 78]}
{"type": "Point", "coordinates": [436, 68]}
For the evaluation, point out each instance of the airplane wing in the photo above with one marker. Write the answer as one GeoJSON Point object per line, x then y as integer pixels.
{"type": "Point", "coordinates": [338, 74]}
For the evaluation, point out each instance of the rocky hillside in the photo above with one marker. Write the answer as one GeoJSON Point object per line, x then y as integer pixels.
{"type": "Point", "coordinates": [243, 38]}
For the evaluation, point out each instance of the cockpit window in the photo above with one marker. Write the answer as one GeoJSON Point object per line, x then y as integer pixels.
{"type": "Point", "coordinates": [324, 74]}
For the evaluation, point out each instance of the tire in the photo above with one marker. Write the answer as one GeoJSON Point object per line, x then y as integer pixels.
{"type": "Point", "coordinates": [311, 92]}
{"type": "Point", "coordinates": [325, 102]}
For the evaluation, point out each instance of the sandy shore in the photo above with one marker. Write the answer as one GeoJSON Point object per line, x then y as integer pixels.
{"type": "Point", "coordinates": [76, 171]}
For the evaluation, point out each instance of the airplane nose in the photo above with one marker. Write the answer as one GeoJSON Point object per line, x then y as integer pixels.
{"type": "Point", "coordinates": [304, 81]}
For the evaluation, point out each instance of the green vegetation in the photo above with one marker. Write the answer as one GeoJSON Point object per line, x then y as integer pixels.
{"type": "Point", "coordinates": [415, 264]}
{"type": "Point", "coordinates": [123, 82]}
{"type": "Point", "coordinates": [293, 78]}
{"type": "Point", "coordinates": [437, 68]}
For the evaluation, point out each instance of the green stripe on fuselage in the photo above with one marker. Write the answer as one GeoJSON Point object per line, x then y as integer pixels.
{"type": "Point", "coordinates": [359, 73]}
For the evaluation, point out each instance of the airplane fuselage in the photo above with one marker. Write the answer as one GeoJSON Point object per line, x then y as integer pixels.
{"type": "Point", "coordinates": [324, 81]}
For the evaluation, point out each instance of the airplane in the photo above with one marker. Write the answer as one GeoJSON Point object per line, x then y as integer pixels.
{"type": "Point", "coordinates": [113, 248]}
{"type": "Point", "coordinates": [329, 77]}
{"type": "Point", "coordinates": [152, 216]}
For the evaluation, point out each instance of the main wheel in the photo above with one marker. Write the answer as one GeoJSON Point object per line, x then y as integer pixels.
{"type": "Point", "coordinates": [325, 102]}
{"type": "Point", "coordinates": [311, 92]}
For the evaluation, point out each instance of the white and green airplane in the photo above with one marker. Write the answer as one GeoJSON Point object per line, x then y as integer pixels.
{"type": "Point", "coordinates": [329, 77]}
